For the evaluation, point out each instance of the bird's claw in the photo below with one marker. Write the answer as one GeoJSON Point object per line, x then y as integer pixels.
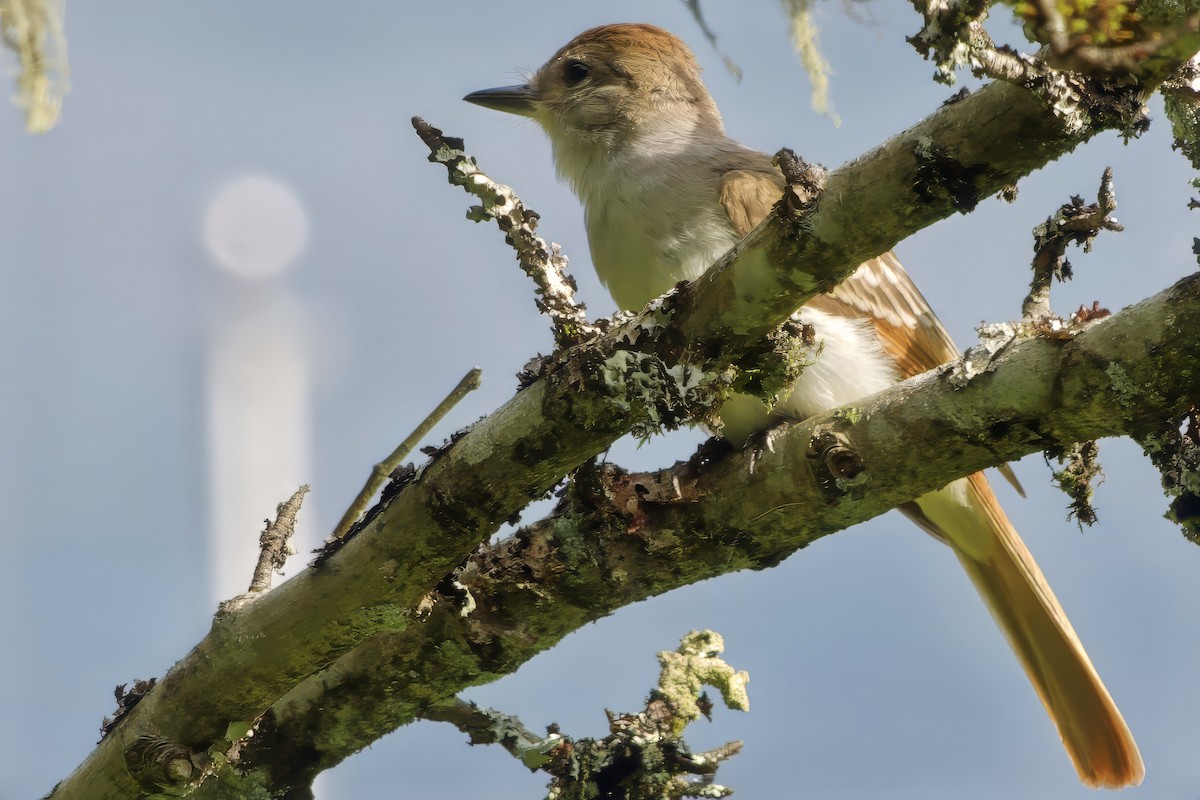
{"type": "Point", "coordinates": [762, 442]}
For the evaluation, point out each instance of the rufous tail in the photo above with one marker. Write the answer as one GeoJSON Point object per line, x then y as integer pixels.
{"type": "Point", "coordinates": [968, 517]}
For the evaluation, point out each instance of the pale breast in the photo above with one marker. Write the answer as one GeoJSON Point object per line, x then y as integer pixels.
{"type": "Point", "coordinates": [651, 224]}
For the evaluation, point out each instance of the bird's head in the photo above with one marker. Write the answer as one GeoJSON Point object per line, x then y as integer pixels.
{"type": "Point", "coordinates": [609, 86]}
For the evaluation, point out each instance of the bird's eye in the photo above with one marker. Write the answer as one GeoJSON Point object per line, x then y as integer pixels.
{"type": "Point", "coordinates": [575, 72]}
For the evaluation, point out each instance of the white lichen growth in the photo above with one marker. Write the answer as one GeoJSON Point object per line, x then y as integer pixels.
{"type": "Point", "coordinates": [467, 603]}
{"type": "Point", "coordinates": [660, 396]}
{"type": "Point", "coordinates": [993, 339]}
{"type": "Point", "coordinates": [1065, 95]}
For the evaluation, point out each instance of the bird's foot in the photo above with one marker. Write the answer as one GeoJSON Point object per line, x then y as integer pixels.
{"type": "Point", "coordinates": [762, 442]}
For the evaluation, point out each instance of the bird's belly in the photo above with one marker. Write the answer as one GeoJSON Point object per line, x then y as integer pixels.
{"type": "Point", "coordinates": [851, 365]}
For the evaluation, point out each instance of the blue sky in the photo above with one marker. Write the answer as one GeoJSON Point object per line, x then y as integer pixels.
{"type": "Point", "coordinates": [875, 671]}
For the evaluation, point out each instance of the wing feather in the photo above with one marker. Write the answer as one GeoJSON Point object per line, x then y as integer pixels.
{"type": "Point", "coordinates": [879, 290]}
{"type": "Point", "coordinates": [747, 196]}
{"type": "Point", "coordinates": [908, 329]}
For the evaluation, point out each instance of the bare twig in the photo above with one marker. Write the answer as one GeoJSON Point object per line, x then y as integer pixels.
{"type": "Point", "coordinates": [1073, 223]}
{"type": "Point", "coordinates": [698, 14]}
{"type": "Point", "coordinates": [275, 541]}
{"type": "Point", "coordinates": [542, 262]}
{"type": "Point", "coordinates": [382, 471]}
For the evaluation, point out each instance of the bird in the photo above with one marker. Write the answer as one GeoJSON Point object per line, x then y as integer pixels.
{"type": "Point", "coordinates": [638, 137]}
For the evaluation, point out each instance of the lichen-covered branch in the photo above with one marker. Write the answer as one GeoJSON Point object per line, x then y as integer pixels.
{"type": "Point", "coordinates": [1101, 37]}
{"type": "Point", "coordinates": [488, 726]}
{"type": "Point", "coordinates": [1181, 101]}
{"type": "Point", "coordinates": [1078, 477]}
{"type": "Point", "coordinates": [1073, 223]}
{"type": "Point", "coordinates": [275, 541]}
{"type": "Point", "coordinates": [1081, 38]}
{"type": "Point", "coordinates": [644, 756]}
{"type": "Point", "coordinates": [542, 262]}
{"type": "Point", "coordinates": [1174, 448]}
{"type": "Point", "coordinates": [255, 657]}
{"type": "Point", "coordinates": [617, 538]}
{"type": "Point", "coordinates": [953, 36]}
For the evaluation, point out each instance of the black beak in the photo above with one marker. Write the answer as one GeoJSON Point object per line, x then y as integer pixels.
{"type": "Point", "coordinates": [511, 99]}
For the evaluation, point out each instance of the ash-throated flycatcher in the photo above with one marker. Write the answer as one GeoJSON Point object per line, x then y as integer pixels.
{"type": "Point", "coordinates": [666, 192]}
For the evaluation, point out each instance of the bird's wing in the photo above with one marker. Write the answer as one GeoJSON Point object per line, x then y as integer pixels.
{"type": "Point", "coordinates": [908, 329]}
{"type": "Point", "coordinates": [747, 196]}
{"type": "Point", "coordinates": [880, 289]}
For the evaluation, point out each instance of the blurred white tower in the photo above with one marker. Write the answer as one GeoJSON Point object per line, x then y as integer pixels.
{"type": "Point", "coordinates": [258, 383]}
